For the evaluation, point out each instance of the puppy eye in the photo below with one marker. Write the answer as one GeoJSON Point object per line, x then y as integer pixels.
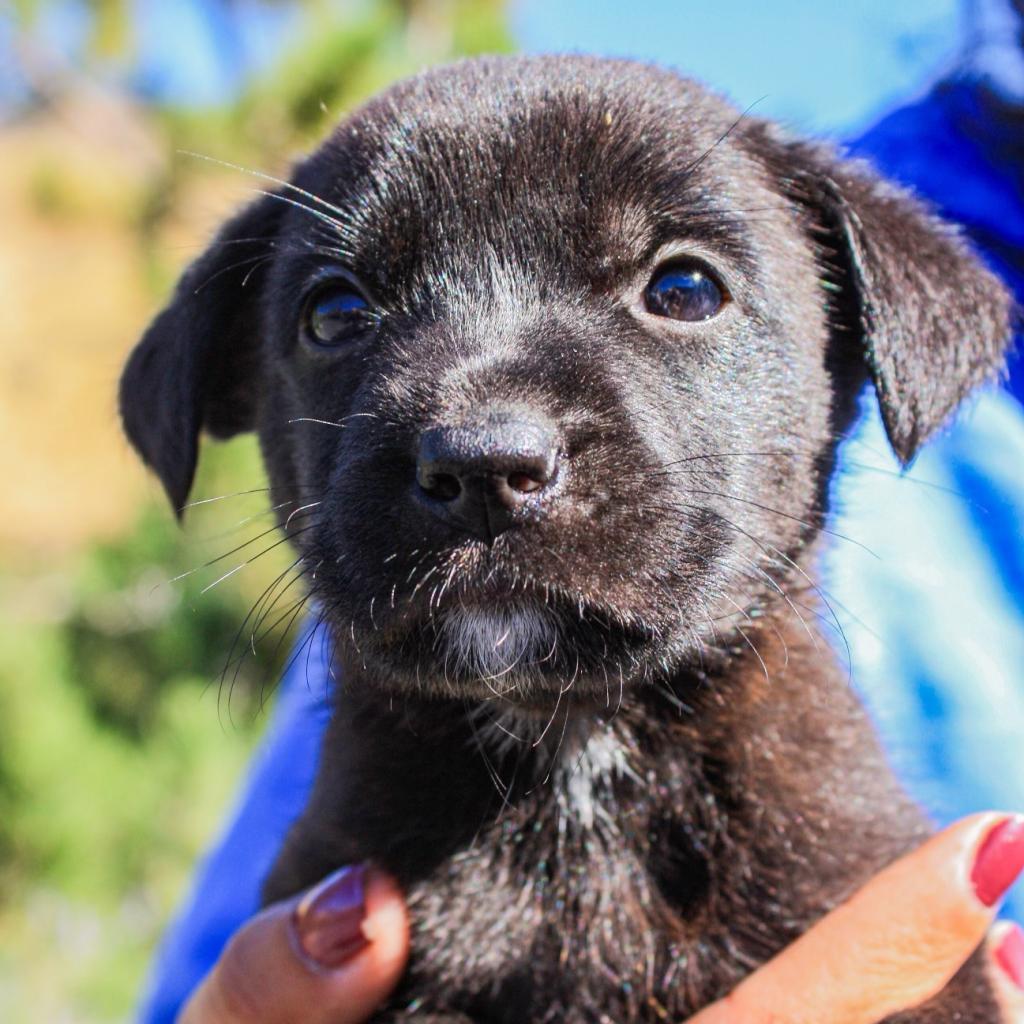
{"type": "Point", "coordinates": [337, 313]}
{"type": "Point", "coordinates": [687, 290]}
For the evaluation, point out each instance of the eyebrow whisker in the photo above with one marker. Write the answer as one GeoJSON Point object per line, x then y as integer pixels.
{"type": "Point", "coordinates": [319, 200]}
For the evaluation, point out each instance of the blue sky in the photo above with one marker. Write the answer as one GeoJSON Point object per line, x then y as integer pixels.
{"type": "Point", "coordinates": [823, 66]}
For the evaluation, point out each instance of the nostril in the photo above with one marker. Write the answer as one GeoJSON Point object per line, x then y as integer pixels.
{"type": "Point", "coordinates": [524, 483]}
{"type": "Point", "coordinates": [442, 486]}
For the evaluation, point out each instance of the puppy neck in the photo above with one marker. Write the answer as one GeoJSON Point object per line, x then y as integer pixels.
{"type": "Point", "coordinates": [451, 765]}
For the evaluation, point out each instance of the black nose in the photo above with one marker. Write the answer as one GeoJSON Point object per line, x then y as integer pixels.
{"type": "Point", "coordinates": [477, 473]}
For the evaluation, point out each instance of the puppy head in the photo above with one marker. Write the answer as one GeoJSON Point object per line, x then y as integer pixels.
{"type": "Point", "coordinates": [553, 355]}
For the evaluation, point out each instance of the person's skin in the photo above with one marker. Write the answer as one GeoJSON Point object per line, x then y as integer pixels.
{"type": "Point", "coordinates": [333, 955]}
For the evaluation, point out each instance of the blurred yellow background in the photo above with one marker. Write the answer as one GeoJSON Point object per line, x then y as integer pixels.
{"type": "Point", "coordinates": [119, 745]}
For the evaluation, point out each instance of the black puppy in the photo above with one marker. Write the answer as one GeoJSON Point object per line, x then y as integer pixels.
{"type": "Point", "coordinates": [588, 340]}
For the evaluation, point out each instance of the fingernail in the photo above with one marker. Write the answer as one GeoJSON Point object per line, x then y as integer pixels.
{"type": "Point", "coordinates": [328, 922]}
{"type": "Point", "coordinates": [999, 861]}
{"type": "Point", "coordinates": [1009, 955]}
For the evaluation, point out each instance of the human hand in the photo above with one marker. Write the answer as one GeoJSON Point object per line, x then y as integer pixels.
{"type": "Point", "coordinates": [329, 956]}
{"type": "Point", "coordinates": [892, 946]}
{"type": "Point", "coordinates": [899, 940]}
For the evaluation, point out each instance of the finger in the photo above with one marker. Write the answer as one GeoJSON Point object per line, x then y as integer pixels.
{"type": "Point", "coordinates": [1005, 946]}
{"type": "Point", "coordinates": [328, 957]}
{"type": "Point", "coordinates": [897, 942]}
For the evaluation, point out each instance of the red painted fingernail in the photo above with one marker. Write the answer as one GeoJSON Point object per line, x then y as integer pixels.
{"type": "Point", "coordinates": [328, 922]}
{"type": "Point", "coordinates": [999, 861]}
{"type": "Point", "coordinates": [1009, 955]}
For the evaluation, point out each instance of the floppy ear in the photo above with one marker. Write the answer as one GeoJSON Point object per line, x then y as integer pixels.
{"type": "Point", "coordinates": [196, 366]}
{"type": "Point", "coordinates": [933, 321]}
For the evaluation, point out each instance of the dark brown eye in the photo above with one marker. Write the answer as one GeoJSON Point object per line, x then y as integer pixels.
{"type": "Point", "coordinates": [337, 313]}
{"type": "Point", "coordinates": [685, 290]}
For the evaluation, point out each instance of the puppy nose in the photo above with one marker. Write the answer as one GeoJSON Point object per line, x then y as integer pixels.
{"type": "Point", "coordinates": [477, 473]}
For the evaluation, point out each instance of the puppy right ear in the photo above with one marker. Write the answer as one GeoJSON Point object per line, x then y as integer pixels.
{"type": "Point", "coordinates": [932, 321]}
{"type": "Point", "coordinates": [197, 366]}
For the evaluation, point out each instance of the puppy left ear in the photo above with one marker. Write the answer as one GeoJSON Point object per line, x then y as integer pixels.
{"type": "Point", "coordinates": [196, 366]}
{"type": "Point", "coordinates": [933, 321]}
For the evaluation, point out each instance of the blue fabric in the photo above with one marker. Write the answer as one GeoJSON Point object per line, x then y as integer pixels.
{"type": "Point", "coordinates": [926, 582]}
{"type": "Point", "coordinates": [226, 888]}
{"type": "Point", "coordinates": [933, 613]}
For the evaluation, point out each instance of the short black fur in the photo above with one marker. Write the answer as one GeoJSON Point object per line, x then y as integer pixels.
{"type": "Point", "coordinates": [608, 754]}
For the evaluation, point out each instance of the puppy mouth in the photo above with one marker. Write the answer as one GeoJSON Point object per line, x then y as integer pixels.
{"type": "Point", "coordinates": [524, 642]}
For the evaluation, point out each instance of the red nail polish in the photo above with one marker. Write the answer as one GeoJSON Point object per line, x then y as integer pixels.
{"type": "Point", "coordinates": [328, 922]}
{"type": "Point", "coordinates": [1009, 955]}
{"type": "Point", "coordinates": [999, 861]}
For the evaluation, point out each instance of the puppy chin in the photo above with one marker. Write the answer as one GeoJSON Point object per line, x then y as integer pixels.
{"type": "Point", "coordinates": [505, 647]}
{"type": "Point", "coordinates": [524, 654]}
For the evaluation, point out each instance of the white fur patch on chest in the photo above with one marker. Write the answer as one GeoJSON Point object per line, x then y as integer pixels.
{"type": "Point", "coordinates": [590, 779]}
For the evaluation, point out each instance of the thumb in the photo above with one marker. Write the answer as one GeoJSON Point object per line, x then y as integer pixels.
{"type": "Point", "coordinates": [330, 956]}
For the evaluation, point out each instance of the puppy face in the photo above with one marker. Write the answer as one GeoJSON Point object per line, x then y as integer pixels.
{"type": "Point", "coordinates": [548, 359]}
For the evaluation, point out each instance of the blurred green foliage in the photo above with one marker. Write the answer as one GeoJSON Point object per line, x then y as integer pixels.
{"type": "Point", "coordinates": [120, 746]}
